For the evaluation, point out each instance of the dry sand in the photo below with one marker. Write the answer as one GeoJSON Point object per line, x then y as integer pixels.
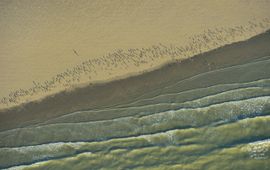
{"type": "Point", "coordinates": [38, 37]}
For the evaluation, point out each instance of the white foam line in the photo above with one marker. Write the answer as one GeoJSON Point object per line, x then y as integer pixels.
{"type": "Point", "coordinates": [157, 104]}
{"type": "Point", "coordinates": [130, 117]}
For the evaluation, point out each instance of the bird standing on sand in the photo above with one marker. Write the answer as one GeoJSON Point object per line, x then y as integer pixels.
{"type": "Point", "coordinates": [75, 52]}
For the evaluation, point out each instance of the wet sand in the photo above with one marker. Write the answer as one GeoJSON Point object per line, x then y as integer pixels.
{"type": "Point", "coordinates": [121, 92]}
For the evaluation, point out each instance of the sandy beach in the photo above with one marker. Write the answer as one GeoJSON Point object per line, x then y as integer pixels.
{"type": "Point", "coordinates": [76, 43]}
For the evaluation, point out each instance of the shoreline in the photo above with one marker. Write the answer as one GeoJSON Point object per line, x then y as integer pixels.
{"type": "Point", "coordinates": [135, 62]}
{"type": "Point", "coordinates": [127, 89]}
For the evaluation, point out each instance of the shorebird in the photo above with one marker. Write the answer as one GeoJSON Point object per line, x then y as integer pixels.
{"type": "Point", "coordinates": [75, 52]}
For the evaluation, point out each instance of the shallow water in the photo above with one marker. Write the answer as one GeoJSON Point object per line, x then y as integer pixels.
{"type": "Point", "coordinates": [220, 122]}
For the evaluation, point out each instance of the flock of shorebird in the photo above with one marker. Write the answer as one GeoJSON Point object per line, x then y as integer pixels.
{"type": "Point", "coordinates": [121, 59]}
